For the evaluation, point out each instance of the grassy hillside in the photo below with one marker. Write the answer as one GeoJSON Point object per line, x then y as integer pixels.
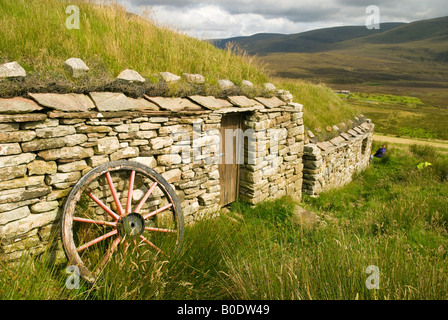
{"type": "Point", "coordinates": [310, 41]}
{"type": "Point", "coordinates": [392, 216]}
{"type": "Point", "coordinates": [406, 59]}
{"type": "Point", "coordinates": [425, 38]}
{"type": "Point", "coordinates": [110, 40]}
{"type": "Point", "coordinates": [322, 107]}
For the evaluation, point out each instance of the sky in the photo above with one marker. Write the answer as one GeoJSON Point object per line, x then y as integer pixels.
{"type": "Point", "coordinates": [217, 19]}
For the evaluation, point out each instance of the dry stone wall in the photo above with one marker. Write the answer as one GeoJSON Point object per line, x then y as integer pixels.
{"type": "Point", "coordinates": [331, 164]}
{"type": "Point", "coordinates": [276, 173]}
{"type": "Point", "coordinates": [49, 141]}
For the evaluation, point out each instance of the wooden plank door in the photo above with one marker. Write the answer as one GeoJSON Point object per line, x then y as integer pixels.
{"type": "Point", "coordinates": [231, 147]}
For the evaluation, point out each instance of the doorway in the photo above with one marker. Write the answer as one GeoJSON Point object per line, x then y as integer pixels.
{"type": "Point", "coordinates": [232, 147]}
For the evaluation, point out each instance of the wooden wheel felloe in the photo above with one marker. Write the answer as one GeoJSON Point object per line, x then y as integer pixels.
{"type": "Point", "coordinates": [121, 202]}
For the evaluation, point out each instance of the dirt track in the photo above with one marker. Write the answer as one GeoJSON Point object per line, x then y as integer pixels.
{"type": "Point", "coordinates": [442, 144]}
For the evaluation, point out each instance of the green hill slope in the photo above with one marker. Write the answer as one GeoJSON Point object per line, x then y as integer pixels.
{"type": "Point", "coordinates": [110, 40]}
{"type": "Point", "coordinates": [425, 38]}
{"type": "Point", "coordinates": [310, 41]}
{"type": "Point", "coordinates": [411, 58]}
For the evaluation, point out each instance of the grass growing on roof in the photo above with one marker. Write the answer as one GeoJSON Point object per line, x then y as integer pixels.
{"type": "Point", "coordinates": [109, 40]}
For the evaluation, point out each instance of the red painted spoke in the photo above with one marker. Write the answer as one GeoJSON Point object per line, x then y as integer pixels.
{"type": "Point", "coordinates": [148, 193]}
{"type": "Point", "coordinates": [131, 188]}
{"type": "Point", "coordinates": [103, 223]}
{"type": "Point", "coordinates": [95, 241]}
{"type": "Point", "coordinates": [110, 252]}
{"type": "Point", "coordinates": [105, 208]}
{"type": "Point", "coordinates": [152, 245]}
{"type": "Point", "coordinates": [149, 215]}
{"type": "Point", "coordinates": [160, 230]}
{"type": "Point", "coordinates": [114, 194]}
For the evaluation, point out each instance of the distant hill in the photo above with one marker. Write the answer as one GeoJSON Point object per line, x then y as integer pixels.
{"type": "Point", "coordinates": [413, 55]}
{"type": "Point", "coordinates": [310, 41]}
{"type": "Point", "coordinates": [424, 39]}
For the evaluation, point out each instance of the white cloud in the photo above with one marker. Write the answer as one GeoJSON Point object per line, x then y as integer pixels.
{"type": "Point", "coordinates": [225, 18]}
{"type": "Point", "coordinates": [211, 21]}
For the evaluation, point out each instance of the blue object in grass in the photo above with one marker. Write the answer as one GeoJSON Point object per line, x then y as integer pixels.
{"type": "Point", "coordinates": [380, 152]}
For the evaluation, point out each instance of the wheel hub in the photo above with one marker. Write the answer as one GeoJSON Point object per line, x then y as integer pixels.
{"type": "Point", "coordinates": [131, 225]}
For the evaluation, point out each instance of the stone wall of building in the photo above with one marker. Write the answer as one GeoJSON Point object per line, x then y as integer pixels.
{"type": "Point", "coordinates": [49, 141]}
{"type": "Point", "coordinates": [331, 164]}
{"type": "Point", "coordinates": [279, 172]}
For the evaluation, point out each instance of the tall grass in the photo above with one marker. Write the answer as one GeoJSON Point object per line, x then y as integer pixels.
{"type": "Point", "coordinates": [393, 216]}
{"type": "Point", "coordinates": [109, 40]}
{"type": "Point", "coordinates": [322, 107]}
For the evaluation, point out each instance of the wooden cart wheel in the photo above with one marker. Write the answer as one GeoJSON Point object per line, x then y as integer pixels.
{"type": "Point", "coordinates": [121, 202]}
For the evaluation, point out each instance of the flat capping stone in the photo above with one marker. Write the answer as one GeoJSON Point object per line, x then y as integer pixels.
{"type": "Point", "coordinates": [123, 114]}
{"type": "Point", "coordinates": [272, 102]}
{"type": "Point", "coordinates": [175, 104]}
{"type": "Point", "coordinates": [281, 109]}
{"type": "Point", "coordinates": [7, 118]}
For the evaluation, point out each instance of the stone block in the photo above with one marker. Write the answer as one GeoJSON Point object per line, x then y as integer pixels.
{"type": "Point", "coordinates": [8, 149]}
{"type": "Point", "coordinates": [93, 129]}
{"type": "Point", "coordinates": [270, 103]}
{"type": "Point", "coordinates": [67, 153]}
{"type": "Point", "coordinates": [130, 76]}
{"type": "Point", "coordinates": [72, 166]}
{"type": "Point", "coordinates": [69, 102]}
{"type": "Point", "coordinates": [23, 195]}
{"type": "Point", "coordinates": [126, 153]}
{"type": "Point", "coordinates": [43, 144]}
{"type": "Point", "coordinates": [5, 127]}
{"type": "Point", "coordinates": [22, 182]}
{"type": "Point", "coordinates": [194, 78]}
{"type": "Point", "coordinates": [32, 221]}
{"type": "Point", "coordinates": [12, 70]}
{"type": "Point", "coordinates": [18, 105]}
{"type": "Point", "coordinates": [132, 127]}
{"type": "Point", "coordinates": [40, 124]}
{"type": "Point", "coordinates": [169, 77]}
{"type": "Point", "coordinates": [147, 161]}
{"type": "Point", "coordinates": [225, 84]}
{"type": "Point", "coordinates": [75, 67]}
{"type": "Point", "coordinates": [9, 173]}
{"type": "Point", "coordinates": [96, 161]}
{"type": "Point", "coordinates": [172, 176]}
{"type": "Point", "coordinates": [174, 104]}
{"type": "Point", "coordinates": [44, 206]}
{"type": "Point", "coordinates": [160, 142]}
{"type": "Point", "coordinates": [53, 132]}
{"type": "Point", "coordinates": [57, 178]}
{"type": "Point", "coordinates": [17, 214]}
{"type": "Point", "coordinates": [169, 159]}
{"type": "Point", "coordinates": [211, 102]}
{"type": "Point", "coordinates": [15, 160]}
{"type": "Point", "coordinates": [107, 145]}
{"type": "Point", "coordinates": [17, 136]}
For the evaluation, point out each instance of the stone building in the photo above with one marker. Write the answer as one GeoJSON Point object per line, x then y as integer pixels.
{"type": "Point", "coordinates": [211, 150]}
